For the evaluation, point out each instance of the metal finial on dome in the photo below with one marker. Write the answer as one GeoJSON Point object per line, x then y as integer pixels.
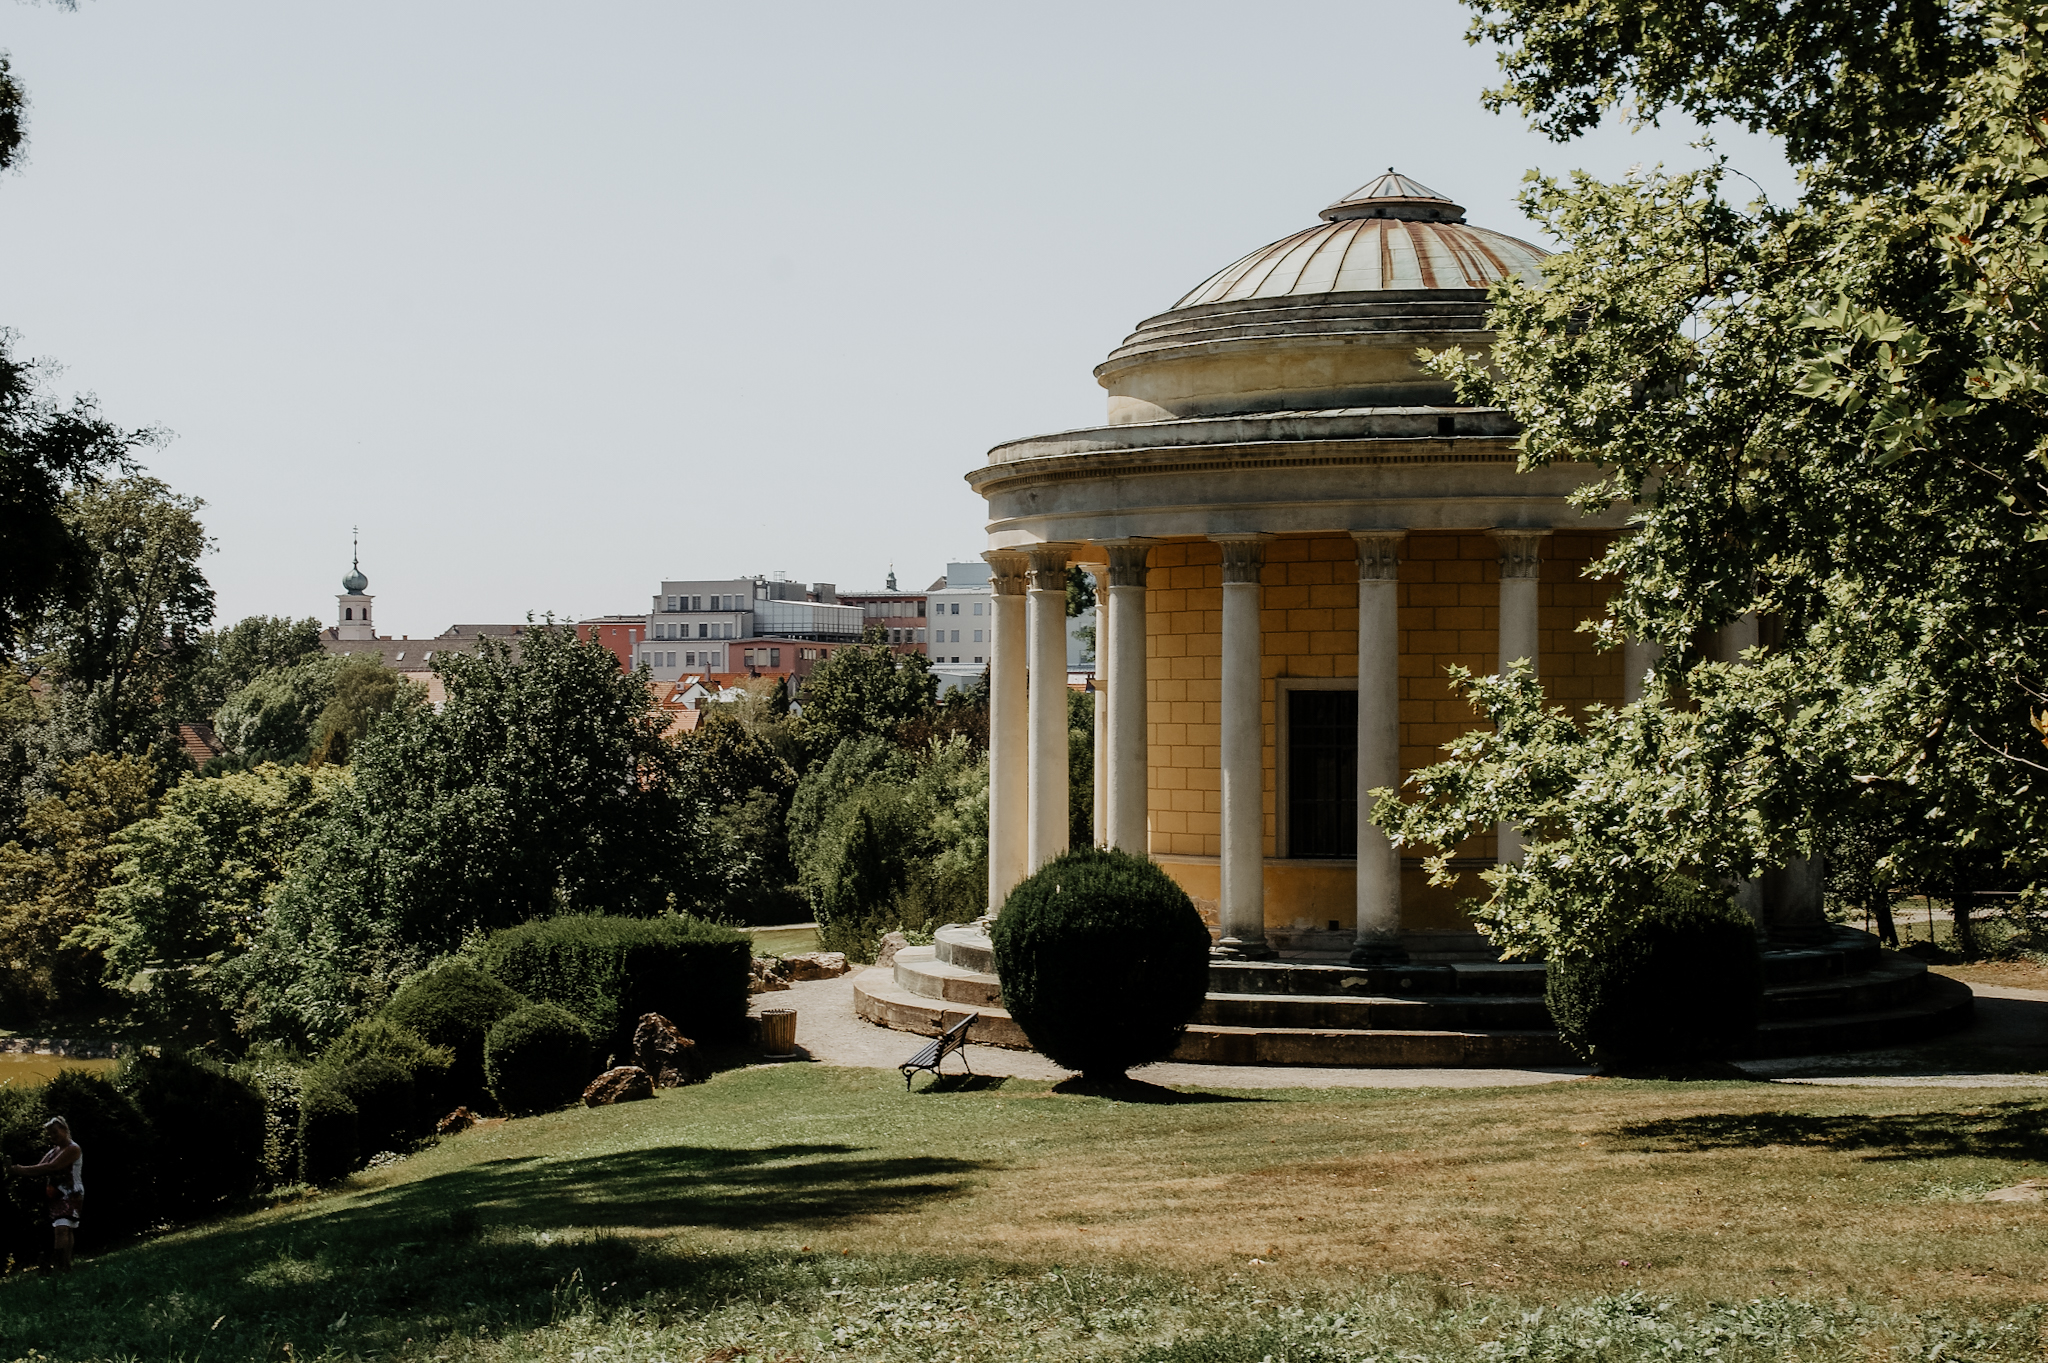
{"type": "Point", "coordinates": [1394, 195]}
{"type": "Point", "coordinates": [355, 584]}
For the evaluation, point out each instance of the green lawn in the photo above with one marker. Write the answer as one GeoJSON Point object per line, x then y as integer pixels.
{"type": "Point", "coordinates": [820, 1213]}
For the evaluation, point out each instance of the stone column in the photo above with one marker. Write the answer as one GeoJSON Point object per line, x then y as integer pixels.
{"type": "Point", "coordinates": [1520, 574]}
{"type": "Point", "coordinates": [1098, 802]}
{"type": "Point", "coordinates": [1244, 812]}
{"type": "Point", "coordinates": [1047, 628]}
{"type": "Point", "coordinates": [1128, 718]}
{"type": "Point", "coordinates": [1378, 938]}
{"type": "Point", "coordinates": [1008, 742]}
{"type": "Point", "coordinates": [1637, 658]}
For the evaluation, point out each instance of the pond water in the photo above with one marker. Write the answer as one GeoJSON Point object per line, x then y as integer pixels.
{"type": "Point", "coordinates": [30, 1070]}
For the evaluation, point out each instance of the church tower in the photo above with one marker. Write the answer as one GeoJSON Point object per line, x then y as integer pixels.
{"type": "Point", "coordinates": [353, 605]}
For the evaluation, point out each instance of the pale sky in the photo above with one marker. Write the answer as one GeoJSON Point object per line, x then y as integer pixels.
{"type": "Point", "coordinates": [558, 301]}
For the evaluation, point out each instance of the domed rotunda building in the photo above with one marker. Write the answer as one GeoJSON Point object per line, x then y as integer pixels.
{"type": "Point", "coordinates": [1294, 530]}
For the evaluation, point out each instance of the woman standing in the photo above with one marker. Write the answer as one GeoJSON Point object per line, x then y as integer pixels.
{"type": "Point", "coordinates": [63, 1168]}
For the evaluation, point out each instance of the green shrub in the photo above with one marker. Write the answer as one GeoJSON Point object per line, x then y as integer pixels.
{"type": "Point", "coordinates": [207, 1125]}
{"type": "Point", "coordinates": [1685, 985]}
{"type": "Point", "coordinates": [426, 1066]}
{"type": "Point", "coordinates": [21, 1201]}
{"type": "Point", "coordinates": [537, 1059]}
{"type": "Point", "coordinates": [327, 1135]}
{"type": "Point", "coordinates": [454, 1004]}
{"type": "Point", "coordinates": [121, 1190]}
{"type": "Point", "coordinates": [381, 1092]}
{"type": "Point", "coordinates": [609, 971]}
{"type": "Point", "coordinates": [1103, 959]}
{"type": "Point", "coordinates": [282, 1084]}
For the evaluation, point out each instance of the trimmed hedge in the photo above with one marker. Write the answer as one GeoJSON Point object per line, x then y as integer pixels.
{"type": "Point", "coordinates": [609, 971]}
{"type": "Point", "coordinates": [327, 1135]}
{"type": "Point", "coordinates": [382, 1094]}
{"type": "Point", "coordinates": [454, 1004]}
{"type": "Point", "coordinates": [426, 1067]}
{"type": "Point", "coordinates": [538, 1059]}
{"type": "Point", "coordinates": [1686, 985]}
{"type": "Point", "coordinates": [207, 1126]}
{"type": "Point", "coordinates": [1103, 960]}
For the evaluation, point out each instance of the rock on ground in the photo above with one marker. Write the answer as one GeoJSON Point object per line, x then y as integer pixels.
{"type": "Point", "coordinates": [625, 1084]}
{"type": "Point", "coordinates": [461, 1119]}
{"type": "Point", "coordinates": [816, 965]}
{"type": "Point", "coordinates": [667, 1054]}
{"type": "Point", "coordinates": [885, 951]}
{"type": "Point", "coordinates": [769, 974]}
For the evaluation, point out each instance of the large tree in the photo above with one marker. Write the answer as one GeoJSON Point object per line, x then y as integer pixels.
{"type": "Point", "coordinates": [542, 785]}
{"type": "Point", "coordinates": [1833, 414]}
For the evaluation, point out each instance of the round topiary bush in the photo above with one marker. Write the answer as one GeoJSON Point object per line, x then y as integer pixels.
{"type": "Point", "coordinates": [1686, 985]}
{"type": "Point", "coordinates": [381, 1090]}
{"type": "Point", "coordinates": [454, 1004]}
{"type": "Point", "coordinates": [327, 1135]}
{"type": "Point", "coordinates": [538, 1058]}
{"type": "Point", "coordinates": [1103, 960]}
{"type": "Point", "coordinates": [425, 1065]}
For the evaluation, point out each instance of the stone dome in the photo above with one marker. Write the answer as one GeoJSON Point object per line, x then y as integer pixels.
{"type": "Point", "coordinates": [1390, 234]}
{"type": "Point", "coordinates": [1330, 317]}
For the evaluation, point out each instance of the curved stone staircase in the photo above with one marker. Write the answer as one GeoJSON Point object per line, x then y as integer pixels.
{"type": "Point", "coordinates": [1844, 993]}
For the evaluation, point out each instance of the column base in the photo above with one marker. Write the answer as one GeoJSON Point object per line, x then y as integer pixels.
{"type": "Point", "coordinates": [1237, 949]}
{"type": "Point", "coordinates": [1379, 951]}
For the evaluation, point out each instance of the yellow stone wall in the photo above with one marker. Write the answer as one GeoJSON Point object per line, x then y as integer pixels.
{"type": "Point", "coordinates": [1448, 594]}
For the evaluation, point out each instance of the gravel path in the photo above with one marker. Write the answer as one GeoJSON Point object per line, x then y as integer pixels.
{"type": "Point", "coordinates": [2011, 1035]}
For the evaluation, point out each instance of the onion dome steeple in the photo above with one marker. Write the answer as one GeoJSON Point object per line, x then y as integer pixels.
{"type": "Point", "coordinates": [355, 584]}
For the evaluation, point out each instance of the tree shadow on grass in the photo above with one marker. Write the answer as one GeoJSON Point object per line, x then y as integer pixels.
{"type": "Point", "coordinates": [679, 1185]}
{"type": "Point", "coordinates": [505, 1244]}
{"type": "Point", "coordinates": [2016, 1130]}
{"type": "Point", "coordinates": [1129, 1090]}
{"type": "Point", "coordinates": [964, 1083]}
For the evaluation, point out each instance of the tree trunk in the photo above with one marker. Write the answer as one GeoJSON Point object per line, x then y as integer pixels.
{"type": "Point", "coordinates": [1881, 910]}
{"type": "Point", "coordinates": [1959, 905]}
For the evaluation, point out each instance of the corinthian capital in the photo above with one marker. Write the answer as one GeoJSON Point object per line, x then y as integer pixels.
{"type": "Point", "coordinates": [1520, 552]}
{"type": "Point", "coordinates": [1243, 556]}
{"type": "Point", "coordinates": [1008, 571]}
{"type": "Point", "coordinates": [1379, 554]}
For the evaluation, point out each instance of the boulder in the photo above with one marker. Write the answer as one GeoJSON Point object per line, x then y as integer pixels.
{"type": "Point", "coordinates": [885, 951]}
{"type": "Point", "coordinates": [461, 1119]}
{"type": "Point", "coordinates": [816, 965]}
{"type": "Point", "coordinates": [667, 1054]}
{"type": "Point", "coordinates": [769, 973]}
{"type": "Point", "coordinates": [626, 1084]}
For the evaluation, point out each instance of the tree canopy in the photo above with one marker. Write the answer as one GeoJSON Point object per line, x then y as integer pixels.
{"type": "Point", "coordinates": [1832, 414]}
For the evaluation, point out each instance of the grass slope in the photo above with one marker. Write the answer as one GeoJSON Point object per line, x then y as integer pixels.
{"type": "Point", "coordinates": [816, 1213]}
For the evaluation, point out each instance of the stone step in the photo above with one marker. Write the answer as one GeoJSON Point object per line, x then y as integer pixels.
{"type": "Point", "coordinates": [1335, 980]}
{"type": "Point", "coordinates": [1943, 1006]}
{"type": "Point", "coordinates": [897, 1008]}
{"type": "Point", "coordinates": [965, 946]}
{"type": "Point", "coordinates": [1893, 982]}
{"type": "Point", "coordinates": [1843, 951]}
{"type": "Point", "coordinates": [918, 971]}
{"type": "Point", "coordinates": [1328, 1013]}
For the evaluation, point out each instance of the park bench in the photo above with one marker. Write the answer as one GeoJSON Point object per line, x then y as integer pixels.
{"type": "Point", "coordinates": [948, 1042]}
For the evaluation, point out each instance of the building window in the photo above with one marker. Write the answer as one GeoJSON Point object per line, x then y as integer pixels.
{"type": "Point", "coordinates": [774, 657]}
{"type": "Point", "coordinates": [671, 660]}
{"type": "Point", "coordinates": [956, 608]}
{"type": "Point", "coordinates": [703, 631]}
{"type": "Point", "coordinates": [977, 636]}
{"type": "Point", "coordinates": [348, 612]}
{"type": "Point", "coordinates": [689, 660]}
{"type": "Point", "coordinates": [1322, 774]}
{"type": "Point", "coordinates": [920, 636]}
{"type": "Point", "coordinates": [977, 660]}
{"type": "Point", "coordinates": [670, 604]}
{"type": "Point", "coordinates": [977, 608]}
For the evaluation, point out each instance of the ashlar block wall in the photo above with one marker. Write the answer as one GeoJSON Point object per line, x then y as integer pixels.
{"type": "Point", "coordinates": [1449, 614]}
